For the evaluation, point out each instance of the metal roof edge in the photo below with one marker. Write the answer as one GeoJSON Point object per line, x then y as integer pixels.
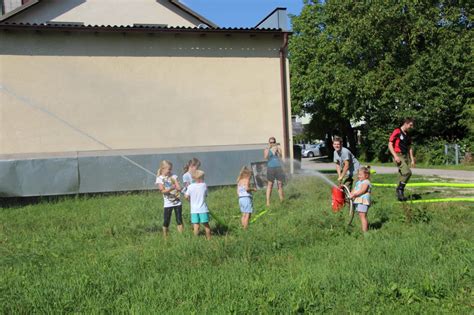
{"type": "Point", "coordinates": [135, 28]}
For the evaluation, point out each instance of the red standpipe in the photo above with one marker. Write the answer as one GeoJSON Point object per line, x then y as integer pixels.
{"type": "Point", "coordinates": [337, 199]}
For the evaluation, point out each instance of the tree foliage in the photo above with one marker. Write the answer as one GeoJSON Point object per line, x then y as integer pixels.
{"type": "Point", "coordinates": [380, 61]}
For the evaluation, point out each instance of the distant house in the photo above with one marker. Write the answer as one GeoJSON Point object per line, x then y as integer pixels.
{"type": "Point", "coordinates": [299, 124]}
{"type": "Point", "coordinates": [93, 94]}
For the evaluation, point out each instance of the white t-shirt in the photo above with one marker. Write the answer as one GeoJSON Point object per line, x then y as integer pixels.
{"type": "Point", "coordinates": [170, 199]}
{"type": "Point", "coordinates": [197, 193]}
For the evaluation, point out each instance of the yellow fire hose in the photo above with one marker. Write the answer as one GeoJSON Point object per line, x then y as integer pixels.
{"type": "Point", "coordinates": [461, 199]}
{"type": "Point", "coordinates": [456, 185]}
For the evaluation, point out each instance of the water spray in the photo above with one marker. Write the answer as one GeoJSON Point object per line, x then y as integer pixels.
{"type": "Point", "coordinates": [30, 103]}
{"type": "Point", "coordinates": [306, 172]}
{"type": "Point", "coordinates": [39, 108]}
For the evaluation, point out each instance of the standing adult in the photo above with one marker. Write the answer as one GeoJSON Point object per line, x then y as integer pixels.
{"type": "Point", "coordinates": [400, 148]}
{"type": "Point", "coordinates": [273, 156]}
{"type": "Point", "coordinates": [346, 163]}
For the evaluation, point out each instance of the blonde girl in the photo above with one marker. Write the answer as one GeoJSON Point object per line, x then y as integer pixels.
{"type": "Point", "coordinates": [169, 186]}
{"type": "Point", "coordinates": [244, 191]}
{"type": "Point", "coordinates": [361, 195]}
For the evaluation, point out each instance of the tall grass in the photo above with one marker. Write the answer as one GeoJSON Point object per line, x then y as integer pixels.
{"type": "Point", "coordinates": [106, 254]}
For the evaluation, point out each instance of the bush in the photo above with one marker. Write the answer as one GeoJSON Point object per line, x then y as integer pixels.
{"type": "Point", "coordinates": [374, 145]}
{"type": "Point", "coordinates": [433, 153]}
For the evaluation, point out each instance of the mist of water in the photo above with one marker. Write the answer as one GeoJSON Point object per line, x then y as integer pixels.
{"type": "Point", "coordinates": [30, 103]}
{"type": "Point", "coordinates": [317, 174]}
{"type": "Point", "coordinates": [299, 171]}
{"type": "Point", "coordinates": [303, 172]}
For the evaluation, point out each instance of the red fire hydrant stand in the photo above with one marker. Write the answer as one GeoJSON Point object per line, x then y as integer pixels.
{"type": "Point", "coordinates": [337, 199]}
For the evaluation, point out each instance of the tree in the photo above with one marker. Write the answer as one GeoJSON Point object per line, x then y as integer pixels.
{"type": "Point", "coordinates": [378, 62]}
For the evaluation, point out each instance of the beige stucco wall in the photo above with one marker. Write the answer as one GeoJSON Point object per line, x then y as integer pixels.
{"type": "Point", "coordinates": [107, 12]}
{"type": "Point", "coordinates": [137, 91]}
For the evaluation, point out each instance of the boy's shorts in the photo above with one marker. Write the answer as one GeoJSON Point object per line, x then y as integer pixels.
{"type": "Point", "coordinates": [245, 204]}
{"type": "Point", "coordinates": [362, 208]}
{"type": "Point", "coordinates": [197, 218]}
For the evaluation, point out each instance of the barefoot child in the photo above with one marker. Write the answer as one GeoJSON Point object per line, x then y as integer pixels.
{"type": "Point", "coordinates": [245, 196]}
{"type": "Point", "coordinates": [169, 186]}
{"type": "Point", "coordinates": [190, 168]}
{"type": "Point", "coordinates": [361, 196]}
{"type": "Point", "coordinates": [196, 194]}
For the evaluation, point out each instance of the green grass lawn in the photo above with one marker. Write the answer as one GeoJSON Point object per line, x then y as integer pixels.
{"type": "Point", "coordinates": [106, 254]}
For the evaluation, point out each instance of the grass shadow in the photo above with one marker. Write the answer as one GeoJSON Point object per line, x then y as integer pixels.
{"type": "Point", "coordinates": [419, 196]}
{"type": "Point", "coordinates": [153, 229]}
{"type": "Point", "coordinates": [220, 230]}
{"type": "Point", "coordinates": [414, 197]}
{"type": "Point", "coordinates": [19, 202]}
{"type": "Point", "coordinates": [377, 225]}
{"type": "Point", "coordinates": [293, 196]}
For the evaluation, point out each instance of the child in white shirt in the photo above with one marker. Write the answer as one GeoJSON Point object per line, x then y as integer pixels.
{"type": "Point", "coordinates": [169, 186]}
{"type": "Point", "coordinates": [196, 194]}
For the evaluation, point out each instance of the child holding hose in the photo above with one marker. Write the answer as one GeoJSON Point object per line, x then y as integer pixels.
{"type": "Point", "coordinates": [244, 191]}
{"type": "Point", "coordinates": [361, 196]}
{"type": "Point", "coordinates": [168, 185]}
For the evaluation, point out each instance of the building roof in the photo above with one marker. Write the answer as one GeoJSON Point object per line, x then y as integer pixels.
{"type": "Point", "coordinates": [276, 10]}
{"type": "Point", "coordinates": [176, 3]}
{"type": "Point", "coordinates": [136, 28]}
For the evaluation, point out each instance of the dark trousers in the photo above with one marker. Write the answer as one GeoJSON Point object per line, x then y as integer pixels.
{"type": "Point", "coordinates": [178, 211]}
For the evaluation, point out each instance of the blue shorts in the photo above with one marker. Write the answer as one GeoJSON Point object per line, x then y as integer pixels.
{"type": "Point", "coordinates": [197, 218]}
{"type": "Point", "coordinates": [245, 204]}
{"type": "Point", "coordinates": [362, 208]}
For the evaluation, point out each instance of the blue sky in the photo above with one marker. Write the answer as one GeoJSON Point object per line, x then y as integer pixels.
{"type": "Point", "coordinates": [240, 13]}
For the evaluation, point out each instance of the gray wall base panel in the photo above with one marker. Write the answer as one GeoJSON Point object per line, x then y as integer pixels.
{"type": "Point", "coordinates": [93, 174]}
{"type": "Point", "coordinates": [43, 177]}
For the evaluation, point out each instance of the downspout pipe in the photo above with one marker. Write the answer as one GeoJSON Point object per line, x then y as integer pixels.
{"type": "Point", "coordinates": [284, 96]}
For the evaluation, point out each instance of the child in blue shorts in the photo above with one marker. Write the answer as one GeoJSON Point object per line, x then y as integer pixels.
{"type": "Point", "coordinates": [361, 196]}
{"type": "Point", "coordinates": [244, 191]}
{"type": "Point", "coordinates": [196, 194]}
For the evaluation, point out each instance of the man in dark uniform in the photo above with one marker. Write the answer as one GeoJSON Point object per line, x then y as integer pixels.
{"type": "Point", "coordinates": [400, 147]}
